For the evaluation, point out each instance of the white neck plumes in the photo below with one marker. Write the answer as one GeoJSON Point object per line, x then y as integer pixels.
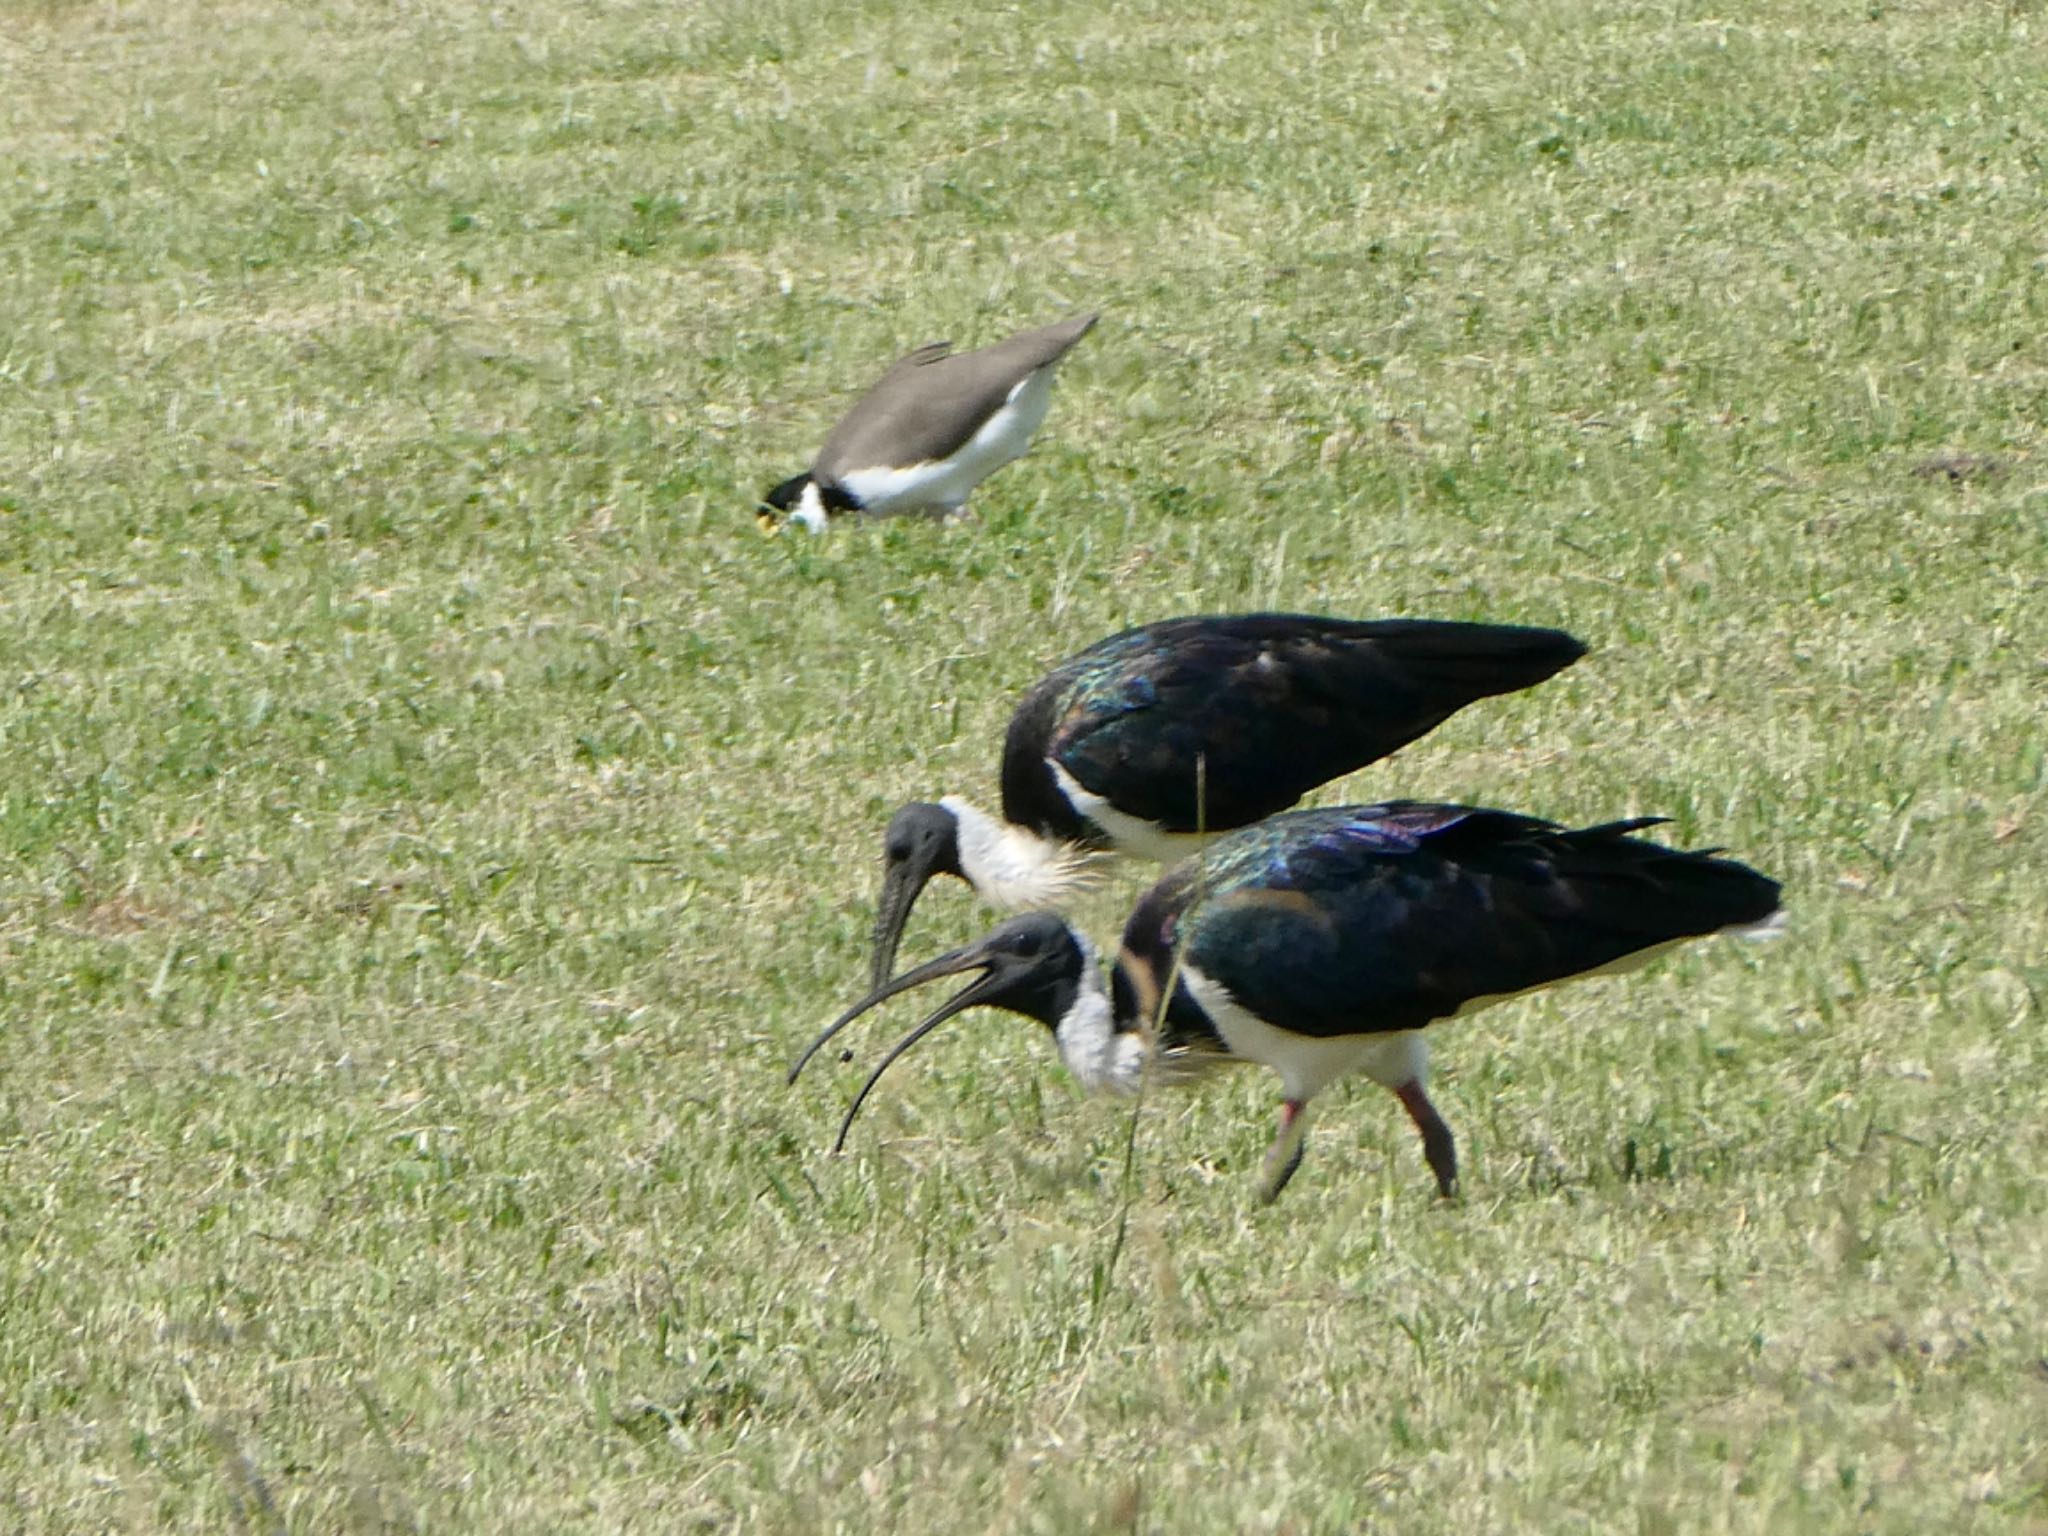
{"type": "Point", "coordinates": [1103, 1058]}
{"type": "Point", "coordinates": [1014, 868]}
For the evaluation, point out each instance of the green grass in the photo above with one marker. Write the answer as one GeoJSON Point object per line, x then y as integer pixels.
{"type": "Point", "coordinates": [434, 815]}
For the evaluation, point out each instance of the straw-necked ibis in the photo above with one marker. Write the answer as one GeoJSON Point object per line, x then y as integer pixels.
{"type": "Point", "coordinates": [936, 425]}
{"type": "Point", "coordinates": [1322, 942]}
{"type": "Point", "coordinates": [1155, 740]}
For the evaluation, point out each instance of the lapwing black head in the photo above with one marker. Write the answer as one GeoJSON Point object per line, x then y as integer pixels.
{"type": "Point", "coordinates": [932, 428]}
{"type": "Point", "coordinates": [781, 502]}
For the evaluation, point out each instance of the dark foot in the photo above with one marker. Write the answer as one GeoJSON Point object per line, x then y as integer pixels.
{"type": "Point", "coordinates": [1438, 1145]}
{"type": "Point", "coordinates": [1284, 1156]}
{"type": "Point", "coordinates": [1270, 1191]}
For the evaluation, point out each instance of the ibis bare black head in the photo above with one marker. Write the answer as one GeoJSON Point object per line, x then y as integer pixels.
{"type": "Point", "coordinates": [923, 841]}
{"type": "Point", "coordinates": [1031, 965]}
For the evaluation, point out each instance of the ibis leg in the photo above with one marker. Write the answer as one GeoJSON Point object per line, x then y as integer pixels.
{"type": "Point", "coordinates": [1438, 1145]}
{"type": "Point", "coordinates": [1284, 1156]}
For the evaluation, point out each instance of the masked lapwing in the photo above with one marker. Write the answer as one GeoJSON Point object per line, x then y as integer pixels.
{"type": "Point", "coordinates": [937, 424]}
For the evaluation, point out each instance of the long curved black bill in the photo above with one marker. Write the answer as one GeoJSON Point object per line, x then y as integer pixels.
{"type": "Point", "coordinates": [902, 883]}
{"type": "Point", "coordinates": [952, 964]}
{"type": "Point", "coordinates": [961, 1001]}
{"type": "Point", "coordinates": [973, 957]}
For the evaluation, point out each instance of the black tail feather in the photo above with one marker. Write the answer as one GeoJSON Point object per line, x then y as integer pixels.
{"type": "Point", "coordinates": [1480, 660]}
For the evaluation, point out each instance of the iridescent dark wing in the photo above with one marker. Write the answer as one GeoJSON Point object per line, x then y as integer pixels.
{"type": "Point", "coordinates": [1369, 918]}
{"type": "Point", "coordinates": [1271, 705]}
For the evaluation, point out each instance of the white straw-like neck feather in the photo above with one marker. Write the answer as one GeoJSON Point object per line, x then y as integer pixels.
{"type": "Point", "coordinates": [1103, 1058]}
{"type": "Point", "coordinates": [1014, 868]}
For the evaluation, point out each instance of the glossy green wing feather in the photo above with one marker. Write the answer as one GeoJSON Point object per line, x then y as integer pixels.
{"type": "Point", "coordinates": [1386, 917]}
{"type": "Point", "coordinates": [1268, 705]}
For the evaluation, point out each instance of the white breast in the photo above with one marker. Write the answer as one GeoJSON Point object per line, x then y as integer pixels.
{"type": "Point", "coordinates": [1132, 835]}
{"type": "Point", "coordinates": [1307, 1063]}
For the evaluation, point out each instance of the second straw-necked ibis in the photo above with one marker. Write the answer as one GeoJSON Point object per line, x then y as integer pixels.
{"type": "Point", "coordinates": [1322, 943]}
{"type": "Point", "coordinates": [1154, 740]}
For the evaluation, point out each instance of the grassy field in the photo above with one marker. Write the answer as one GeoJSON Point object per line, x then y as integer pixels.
{"type": "Point", "coordinates": [433, 815]}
